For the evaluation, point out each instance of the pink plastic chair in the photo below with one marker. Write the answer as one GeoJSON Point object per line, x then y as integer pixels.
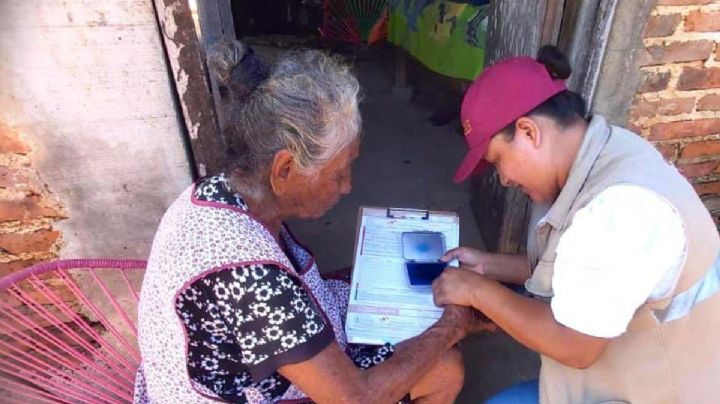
{"type": "Point", "coordinates": [67, 332]}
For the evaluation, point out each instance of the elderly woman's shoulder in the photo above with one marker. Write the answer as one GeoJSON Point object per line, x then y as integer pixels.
{"type": "Point", "coordinates": [215, 189]}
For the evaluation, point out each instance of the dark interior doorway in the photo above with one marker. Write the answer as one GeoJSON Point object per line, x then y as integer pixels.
{"type": "Point", "coordinates": [277, 17]}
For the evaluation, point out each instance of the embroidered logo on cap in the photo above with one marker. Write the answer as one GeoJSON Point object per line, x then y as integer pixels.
{"type": "Point", "coordinates": [466, 127]}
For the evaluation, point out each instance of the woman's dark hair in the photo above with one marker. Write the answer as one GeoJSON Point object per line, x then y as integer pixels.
{"type": "Point", "coordinates": [566, 107]}
{"type": "Point", "coordinates": [238, 70]}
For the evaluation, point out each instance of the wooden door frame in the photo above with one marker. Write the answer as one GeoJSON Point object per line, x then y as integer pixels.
{"type": "Point", "coordinates": [197, 91]}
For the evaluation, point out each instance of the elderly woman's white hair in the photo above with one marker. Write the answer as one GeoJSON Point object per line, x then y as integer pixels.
{"type": "Point", "coordinates": [307, 103]}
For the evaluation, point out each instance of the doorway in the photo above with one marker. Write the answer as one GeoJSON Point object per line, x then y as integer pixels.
{"type": "Point", "coordinates": [412, 144]}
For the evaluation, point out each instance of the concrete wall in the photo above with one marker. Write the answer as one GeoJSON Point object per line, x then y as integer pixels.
{"type": "Point", "coordinates": [619, 75]}
{"type": "Point", "coordinates": [86, 83]}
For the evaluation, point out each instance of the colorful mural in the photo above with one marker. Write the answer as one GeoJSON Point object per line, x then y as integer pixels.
{"type": "Point", "coordinates": [446, 36]}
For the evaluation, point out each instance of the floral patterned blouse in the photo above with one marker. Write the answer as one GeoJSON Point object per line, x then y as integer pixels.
{"type": "Point", "coordinates": [244, 323]}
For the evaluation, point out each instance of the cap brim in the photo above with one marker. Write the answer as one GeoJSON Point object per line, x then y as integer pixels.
{"type": "Point", "coordinates": [473, 163]}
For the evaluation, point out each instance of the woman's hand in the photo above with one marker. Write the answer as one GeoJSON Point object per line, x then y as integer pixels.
{"type": "Point", "coordinates": [469, 258]}
{"type": "Point", "coordinates": [456, 286]}
{"type": "Point", "coordinates": [507, 268]}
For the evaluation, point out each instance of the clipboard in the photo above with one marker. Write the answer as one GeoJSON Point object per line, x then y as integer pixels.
{"type": "Point", "coordinates": [383, 306]}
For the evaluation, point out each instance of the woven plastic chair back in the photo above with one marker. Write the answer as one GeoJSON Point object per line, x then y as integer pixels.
{"type": "Point", "coordinates": [68, 332]}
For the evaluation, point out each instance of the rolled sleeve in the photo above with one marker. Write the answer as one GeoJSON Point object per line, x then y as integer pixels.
{"type": "Point", "coordinates": [253, 318]}
{"type": "Point", "coordinates": [282, 325]}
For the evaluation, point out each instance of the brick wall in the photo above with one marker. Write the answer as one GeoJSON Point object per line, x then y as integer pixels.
{"type": "Point", "coordinates": [90, 85]}
{"type": "Point", "coordinates": [86, 110]}
{"type": "Point", "coordinates": [28, 211]}
{"type": "Point", "coordinates": [677, 106]}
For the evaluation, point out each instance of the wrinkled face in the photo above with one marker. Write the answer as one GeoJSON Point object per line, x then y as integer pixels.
{"type": "Point", "coordinates": [311, 195]}
{"type": "Point", "coordinates": [525, 161]}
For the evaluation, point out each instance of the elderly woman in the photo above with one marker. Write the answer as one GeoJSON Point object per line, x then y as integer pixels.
{"type": "Point", "coordinates": [233, 308]}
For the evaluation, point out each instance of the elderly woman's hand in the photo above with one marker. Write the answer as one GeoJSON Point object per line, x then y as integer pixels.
{"type": "Point", "coordinates": [466, 318]}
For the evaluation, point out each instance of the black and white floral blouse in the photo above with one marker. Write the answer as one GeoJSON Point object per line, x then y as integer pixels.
{"type": "Point", "coordinates": [244, 323]}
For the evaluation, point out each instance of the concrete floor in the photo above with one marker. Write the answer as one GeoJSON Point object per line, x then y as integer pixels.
{"type": "Point", "coordinates": [407, 162]}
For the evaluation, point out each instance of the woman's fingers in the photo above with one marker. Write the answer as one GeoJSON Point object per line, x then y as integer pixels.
{"type": "Point", "coordinates": [444, 288]}
{"type": "Point", "coordinates": [458, 253]}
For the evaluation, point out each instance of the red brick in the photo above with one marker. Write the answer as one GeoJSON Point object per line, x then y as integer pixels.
{"type": "Point", "coordinates": [652, 82]}
{"type": "Point", "coordinates": [700, 149]}
{"type": "Point", "coordinates": [699, 79]}
{"type": "Point", "coordinates": [14, 178]}
{"type": "Point", "coordinates": [10, 141]}
{"type": "Point", "coordinates": [634, 127]}
{"type": "Point", "coordinates": [703, 21]}
{"type": "Point", "coordinates": [37, 320]}
{"type": "Point", "coordinates": [7, 268]}
{"type": "Point", "coordinates": [676, 130]}
{"type": "Point", "coordinates": [662, 25]}
{"type": "Point", "coordinates": [60, 291]}
{"type": "Point", "coordinates": [32, 242]}
{"type": "Point", "coordinates": [698, 170]}
{"type": "Point", "coordinates": [712, 203]}
{"type": "Point", "coordinates": [708, 188]}
{"type": "Point", "coordinates": [26, 209]}
{"type": "Point", "coordinates": [677, 52]}
{"type": "Point", "coordinates": [668, 151]}
{"type": "Point", "coordinates": [682, 2]}
{"type": "Point", "coordinates": [671, 106]}
{"type": "Point", "coordinates": [710, 102]}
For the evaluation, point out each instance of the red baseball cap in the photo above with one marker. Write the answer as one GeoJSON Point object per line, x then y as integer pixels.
{"type": "Point", "coordinates": [501, 94]}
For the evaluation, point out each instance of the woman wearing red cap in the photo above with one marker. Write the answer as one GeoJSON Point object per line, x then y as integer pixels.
{"type": "Point", "coordinates": [622, 268]}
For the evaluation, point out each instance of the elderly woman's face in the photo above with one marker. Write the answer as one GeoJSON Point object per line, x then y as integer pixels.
{"type": "Point", "coordinates": [311, 195]}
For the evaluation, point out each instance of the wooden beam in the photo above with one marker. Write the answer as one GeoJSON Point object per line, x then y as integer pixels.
{"type": "Point", "coordinates": [515, 28]}
{"type": "Point", "coordinates": [571, 16]}
{"type": "Point", "coordinates": [553, 22]}
{"type": "Point", "coordinates": [187, 63]}
{"type": "Point", "coordinates": [598, 45]}
{"type": "Point", "coordinates": [216, 21]}
{"type": "Point", "coordinates": [216, 24]}
{"type": "Point", "coordinates": [612, 97]}
{"type": "Point", "coordinates": [586, 26]}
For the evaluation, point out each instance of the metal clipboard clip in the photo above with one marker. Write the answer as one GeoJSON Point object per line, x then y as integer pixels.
{"type": "Point", "coordinates": [400, 213]}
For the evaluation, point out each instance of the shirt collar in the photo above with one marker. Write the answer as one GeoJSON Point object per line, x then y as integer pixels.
{"type": "Point", "coordinates": [596, 136]}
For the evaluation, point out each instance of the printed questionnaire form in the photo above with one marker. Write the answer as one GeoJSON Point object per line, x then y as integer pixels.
{"type": "Point", "coordinates": [383, 306]}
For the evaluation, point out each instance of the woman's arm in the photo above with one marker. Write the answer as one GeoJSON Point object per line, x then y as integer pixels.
{"type": "Point", "coordinates": [331, 377]}
{"type": "Point", "coordinates": [529, 321]}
